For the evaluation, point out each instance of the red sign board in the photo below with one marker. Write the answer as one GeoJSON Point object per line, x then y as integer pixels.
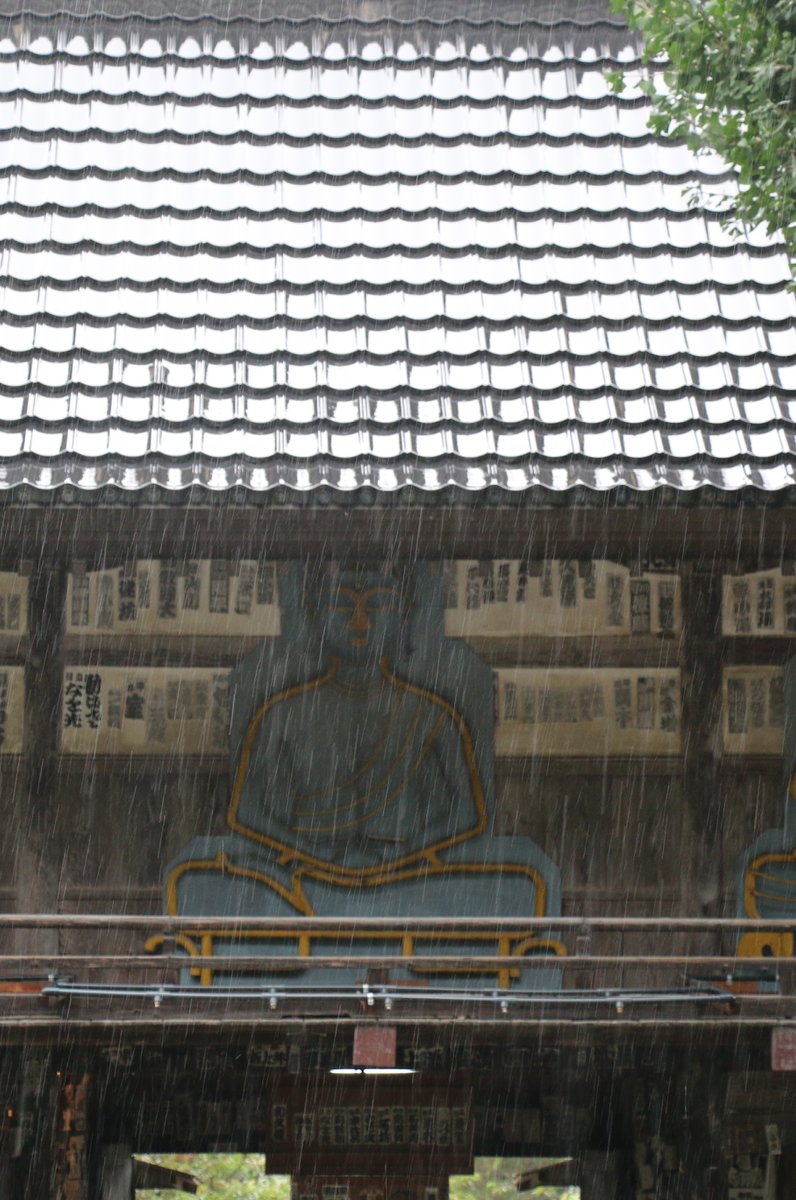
{"type": "Point", "coordinates": [783, 1049]}
{"type": "Point", "coordinates": [375, 1045]}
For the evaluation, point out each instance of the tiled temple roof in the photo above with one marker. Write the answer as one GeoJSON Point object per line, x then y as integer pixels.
{"type": "Point", "coordinates": [375, 247]}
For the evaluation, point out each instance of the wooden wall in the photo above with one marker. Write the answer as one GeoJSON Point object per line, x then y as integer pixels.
{"type": "Point", "coordinates": [656, 829]}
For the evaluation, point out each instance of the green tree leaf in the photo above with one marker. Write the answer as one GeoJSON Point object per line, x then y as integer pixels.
{"type": "Point", "coordinates": [730, 87]}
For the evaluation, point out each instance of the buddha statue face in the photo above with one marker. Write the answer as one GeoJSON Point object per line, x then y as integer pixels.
{"type": "Point", "coordinates": [360, 617]}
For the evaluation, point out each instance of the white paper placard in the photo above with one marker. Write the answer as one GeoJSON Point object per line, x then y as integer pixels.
{"type": "Point", "coordinates": [762, 604]}
{"type": "Point", "coordinates": [13, 603]}
{"type": "Point", "coordinates": [573, 712]}
{"type": "Point", "coordinates": [195, 598]}
{"type": "Point", "coordinates": [144, 710]}
{"type": "Point", "coordinates": [557, 598]}
{"type": "Point", "coordinates": [753, 710]}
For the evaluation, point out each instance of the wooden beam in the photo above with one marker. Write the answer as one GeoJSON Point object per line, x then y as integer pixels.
{"type": "Point", "coordinates": [747, 536]}
{"type": "Point", "coordinates": [556, 1173]}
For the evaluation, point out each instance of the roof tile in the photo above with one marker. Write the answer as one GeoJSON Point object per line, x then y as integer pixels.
{"type": "Point", "coordinates": [268, 252]}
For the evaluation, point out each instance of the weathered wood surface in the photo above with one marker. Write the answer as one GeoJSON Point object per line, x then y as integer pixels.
{"type": "Point", "coordinates": [745, 535]}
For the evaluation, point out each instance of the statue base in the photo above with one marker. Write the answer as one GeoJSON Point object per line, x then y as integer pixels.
{"type": "Point", "coordinates": [766, 887]}
{"type": "Point", "coordinates": [485, 878]}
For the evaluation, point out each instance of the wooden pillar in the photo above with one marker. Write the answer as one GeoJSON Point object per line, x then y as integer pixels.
{"type": "Point", "coordinates": [675, 1145]}
{"type": "Point", "coordinates": [700, 664]}
{"type": "Point", "coordinates": [40, 847]}
{"type": "Point", "coordinates": [34, 1146]}
{"type": "Point", "coordinates": [11, 1089]}
{"type": "Point", "coordinates": [598, 1174]}
{"type": "Point", "coordinates": [116, 1179]}
{"type": "Point", "coordinates": [48, 1153]}
{"type": "Point", "coordinates": [698, 1099]}
{"type": "Point", "coordinates": [786, 1177]}
{"type": "Point", "coordinates": [72, 1177]}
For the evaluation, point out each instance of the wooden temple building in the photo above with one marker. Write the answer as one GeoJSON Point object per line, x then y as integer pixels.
{"type": "Point", "coordinates": [397, 594]}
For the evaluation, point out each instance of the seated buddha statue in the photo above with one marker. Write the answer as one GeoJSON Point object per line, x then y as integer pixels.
{"type": "Point", "coordinates": [767, 886]}
{"type": "Point", "coordinates": [362, 744]}
{"type": "Point", "coordinates": [766, 873]}
{"type": "Point", "coordinates": [358, 768]}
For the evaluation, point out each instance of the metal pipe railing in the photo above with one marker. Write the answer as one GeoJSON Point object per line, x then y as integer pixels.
{"type": "Point", "coordinates": [156, 923]}
{"type": "Point", "coordinates": [186, 944]}
{"type": "Point", "coordinates": [262, 962]}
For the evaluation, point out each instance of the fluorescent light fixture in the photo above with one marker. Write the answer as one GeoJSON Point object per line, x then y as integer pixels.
{"type": "Point", "coordinates": [372, 1071]}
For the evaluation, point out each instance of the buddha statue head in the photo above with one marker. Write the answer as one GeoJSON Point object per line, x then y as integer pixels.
{"type": "Point", "coordinates": [358, 615]}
